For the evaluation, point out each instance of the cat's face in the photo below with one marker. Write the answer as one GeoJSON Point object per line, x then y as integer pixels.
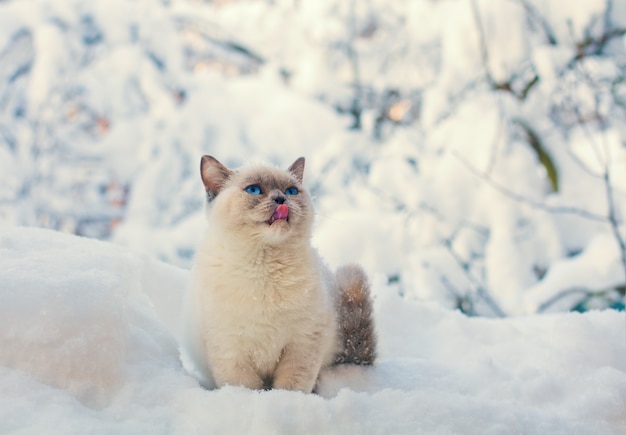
{"type": "Point", "coordinates": [261, 203]}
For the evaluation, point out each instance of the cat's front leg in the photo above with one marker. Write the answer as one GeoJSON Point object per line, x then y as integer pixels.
{"type": "Point", "coordinates": [298, 368]}
{"type": "Point", "coordinates": [236, 373]}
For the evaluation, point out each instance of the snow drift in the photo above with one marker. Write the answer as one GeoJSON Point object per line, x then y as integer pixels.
{"type": "Point", "coordinates": [88, 344]}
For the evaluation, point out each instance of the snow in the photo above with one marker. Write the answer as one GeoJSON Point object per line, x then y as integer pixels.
{"type": "Point", "coordinates": [591, 269]}
{"type": "Point", "coordinates": [87, 344]}
{"type": "Point", "coordinates": [474, 178]}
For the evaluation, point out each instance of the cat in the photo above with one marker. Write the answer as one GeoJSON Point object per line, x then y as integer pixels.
{"type": "Point", "coordinates": [264, 311]}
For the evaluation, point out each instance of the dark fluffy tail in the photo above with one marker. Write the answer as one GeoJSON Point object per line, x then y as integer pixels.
{"type": "Point", "coordinates": [355, 316]}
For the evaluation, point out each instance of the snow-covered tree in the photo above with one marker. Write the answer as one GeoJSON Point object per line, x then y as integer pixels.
{"type": "Point", "coordinates": [468, 151]}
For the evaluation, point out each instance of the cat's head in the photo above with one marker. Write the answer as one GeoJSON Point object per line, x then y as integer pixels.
{"type": "Point", "coordinates": [262, 203]}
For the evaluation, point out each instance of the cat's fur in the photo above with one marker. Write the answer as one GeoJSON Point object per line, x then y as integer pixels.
{"type": "Point", "coordinates": [264, 311]}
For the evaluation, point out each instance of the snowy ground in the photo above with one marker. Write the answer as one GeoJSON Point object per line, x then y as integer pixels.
{"type": "Point", "coordinates": [87, 345]}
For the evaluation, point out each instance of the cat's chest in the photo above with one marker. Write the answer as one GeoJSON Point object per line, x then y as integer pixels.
{"type": "Point", "coordinates": [262, 284]}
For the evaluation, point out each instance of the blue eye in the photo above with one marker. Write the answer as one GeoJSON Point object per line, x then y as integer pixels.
{"type": "Point", "coordinates": [253, 189]}
{"type": "Point", "coordinates": [291, 191]}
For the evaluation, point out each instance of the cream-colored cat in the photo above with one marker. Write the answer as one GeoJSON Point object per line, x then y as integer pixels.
{"type": "Point", "coordinates": [263, 310]}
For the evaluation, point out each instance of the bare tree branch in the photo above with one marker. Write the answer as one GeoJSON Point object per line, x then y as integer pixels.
{"type": "Point", "coordinates": [604, 161]}
{"type": "Point", "coordinates": [462, 302]}
{"type": "Point", "coordinates": [585, 293]}
{"type": "Point", "coordinates": [540, 20]}
{"type": "Point", "coordinates": [477, 285]}
{"type": "Point", "coordinates": [525, 200]}
{"type": "Point", "coordinates": [484, 54]}
{"type": "Point", "coordinates": [594, 46]}
{"type": "Point", "coordinates": [612, 216]}
{"type": "Point", "coordinates": [524, 92]}
{"type": "Point", "coordinates": [353, 56]}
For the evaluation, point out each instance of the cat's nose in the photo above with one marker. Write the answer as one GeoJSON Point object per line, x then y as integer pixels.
{"type": "Point", "coordinates": [279, 198]}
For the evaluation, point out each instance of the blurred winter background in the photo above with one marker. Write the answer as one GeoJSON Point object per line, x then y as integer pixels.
{"type": "Point", "coordinates": [470, 152]}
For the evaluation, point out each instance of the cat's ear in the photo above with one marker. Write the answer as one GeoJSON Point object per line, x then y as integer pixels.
{"type": "Point", "coordinates": [297, 169]}
{"type": "Point", "coordinates": [214, 175]}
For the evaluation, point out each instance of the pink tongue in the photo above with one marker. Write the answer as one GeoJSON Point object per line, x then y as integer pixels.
{"type": "Point", "coordinates": [282, 211]}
